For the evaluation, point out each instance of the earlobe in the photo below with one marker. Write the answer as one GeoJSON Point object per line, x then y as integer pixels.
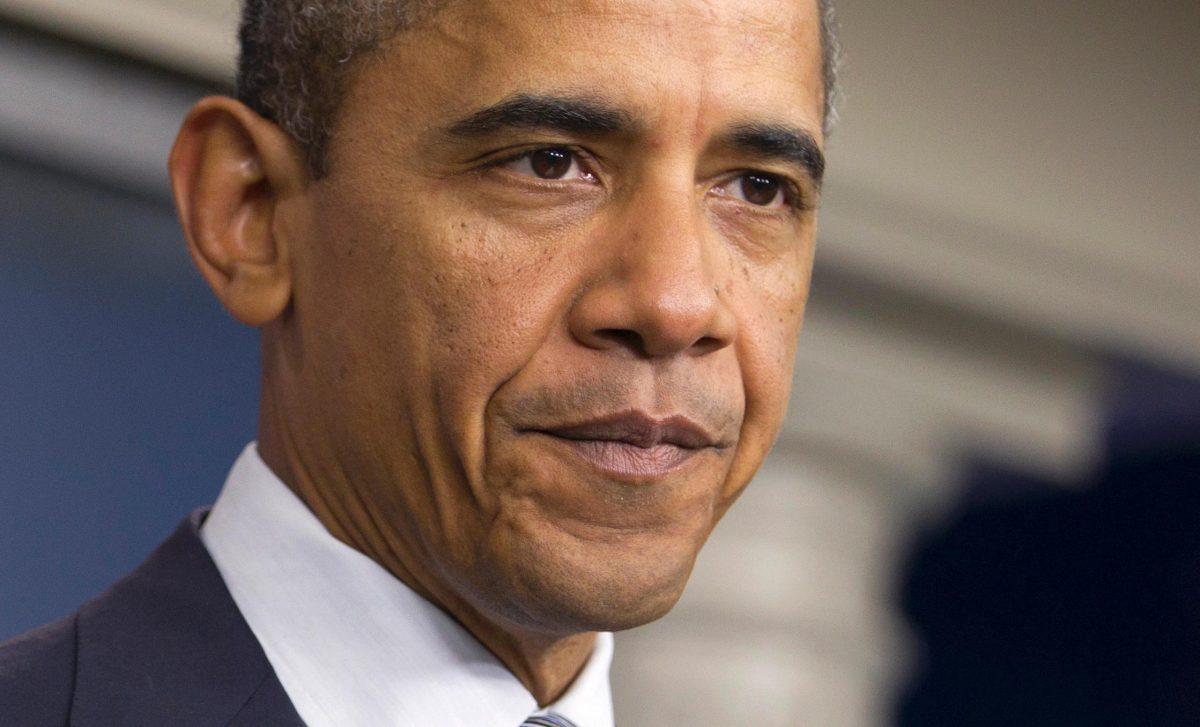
{"type": "Point", "coordinates": [229, 169]}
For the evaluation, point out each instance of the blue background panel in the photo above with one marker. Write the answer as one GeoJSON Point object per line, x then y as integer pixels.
{"type": "Point", "coordinates": [125, 390]}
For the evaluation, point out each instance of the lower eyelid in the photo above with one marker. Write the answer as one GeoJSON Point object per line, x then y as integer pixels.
{"type": "Point", "coordinates": [794, 203]}
{"type": "Point", "coordinates": [533, 183]}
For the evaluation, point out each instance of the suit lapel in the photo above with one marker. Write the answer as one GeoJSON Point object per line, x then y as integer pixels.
{"type": "Point", "coordinates": [167, 645]}
{"type": "Point", "coordinates": [268, 706]}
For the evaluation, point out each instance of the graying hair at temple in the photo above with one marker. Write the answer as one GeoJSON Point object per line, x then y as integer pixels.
{"type": "Point", "coordinates": [295, 55]}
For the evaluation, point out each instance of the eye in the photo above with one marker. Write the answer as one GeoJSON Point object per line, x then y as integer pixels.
{"type": "Point", "coordinates": [757, 188]}
{"type": "Point", "coordinates": [552, 163]}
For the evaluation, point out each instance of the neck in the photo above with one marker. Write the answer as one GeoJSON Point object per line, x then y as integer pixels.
{"type": "Point", "coordinates": [545, 663]}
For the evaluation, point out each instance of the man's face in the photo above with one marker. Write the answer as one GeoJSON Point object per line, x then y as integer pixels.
{"type": "Point", "coordinates": [546, 301]}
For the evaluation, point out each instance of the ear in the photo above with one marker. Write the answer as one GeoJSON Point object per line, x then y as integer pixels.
{"type": "Point", "coordinates": [230, 168]}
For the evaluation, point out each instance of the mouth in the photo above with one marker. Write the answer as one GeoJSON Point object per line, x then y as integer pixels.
{"type": "Point", "coordinates": [635, 446]}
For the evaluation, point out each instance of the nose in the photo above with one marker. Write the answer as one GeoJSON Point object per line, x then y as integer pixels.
{"type": "Point", "coordinates": [660, 290]}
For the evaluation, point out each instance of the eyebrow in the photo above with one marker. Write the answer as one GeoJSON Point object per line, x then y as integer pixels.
{"type": "Point", "coordinates": [574, 115]}
{"type": "Point", "coordinates": [789, 144]}
{"type": "Point", "coordinates": [595, 117]}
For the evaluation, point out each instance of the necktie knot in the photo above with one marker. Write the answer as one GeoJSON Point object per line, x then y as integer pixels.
{"type": "Point", "coordinates": [547, 720]}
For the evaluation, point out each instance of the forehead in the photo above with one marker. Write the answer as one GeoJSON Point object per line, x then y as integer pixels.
{"type": "Point", "coordinates": [781, 17]}
{"type": "Point", "coordinates": [707, 58]}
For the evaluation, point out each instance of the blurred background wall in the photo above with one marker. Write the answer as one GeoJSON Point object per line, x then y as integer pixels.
{"type": "Point", "coordinates": [983, 509]}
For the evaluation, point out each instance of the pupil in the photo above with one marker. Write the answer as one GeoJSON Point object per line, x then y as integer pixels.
{"type": "Point", "coordinates": [759, 190]}
{"type": "Point", "coordinates": [551, 163]}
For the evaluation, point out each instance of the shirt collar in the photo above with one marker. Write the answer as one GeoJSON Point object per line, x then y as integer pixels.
{"type": "Point", "coordinates": [352, 644]}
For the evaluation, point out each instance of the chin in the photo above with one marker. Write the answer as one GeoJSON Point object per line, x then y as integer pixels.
{"type": "Point", "coordinates": [570, 586]}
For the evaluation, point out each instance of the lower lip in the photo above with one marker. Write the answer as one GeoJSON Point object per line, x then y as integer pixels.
{"type": "Point", "coordinates": [629, 461]}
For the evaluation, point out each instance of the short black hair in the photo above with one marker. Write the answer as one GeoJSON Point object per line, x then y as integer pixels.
{"type": "Point", "coordinates": [295, 55]}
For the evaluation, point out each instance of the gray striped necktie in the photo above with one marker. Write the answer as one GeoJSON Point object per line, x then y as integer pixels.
{"type": "Point", "coordinates": [547, 720]}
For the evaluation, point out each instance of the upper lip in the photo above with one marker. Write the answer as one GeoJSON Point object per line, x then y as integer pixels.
{"type": "Point", "coordinates": [639, 429]}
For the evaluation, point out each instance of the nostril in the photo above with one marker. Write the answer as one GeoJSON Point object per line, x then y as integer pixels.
{"type": "Point", "coordinates": [708, 344]}
{"type": "Point", "coordinates": [622, 337]}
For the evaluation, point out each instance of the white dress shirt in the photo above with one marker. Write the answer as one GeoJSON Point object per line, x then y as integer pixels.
{"type": "Point", "coordinates": [350, 643]}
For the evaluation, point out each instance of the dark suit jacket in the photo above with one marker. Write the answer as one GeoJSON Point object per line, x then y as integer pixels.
{"type": "Point", "coordinates": [164, 646]}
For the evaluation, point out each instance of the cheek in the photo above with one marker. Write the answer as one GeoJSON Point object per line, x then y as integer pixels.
{"type": "Point", "coordinates": [493, 298]}
{"type": "Point", "coordinates": [769, 325]}
{"type": "Point", "coordinates": [437, 289]}
{"type": "Point", "coordinates": [766, 361]}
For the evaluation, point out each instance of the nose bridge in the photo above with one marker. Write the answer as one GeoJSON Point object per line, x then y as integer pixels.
{"type": "Point", "coordinates": [660, 286]}
{"type": "Point", "coordinates": [665, 253]}
{"type": "Point", "coordinates": [669, 271]}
